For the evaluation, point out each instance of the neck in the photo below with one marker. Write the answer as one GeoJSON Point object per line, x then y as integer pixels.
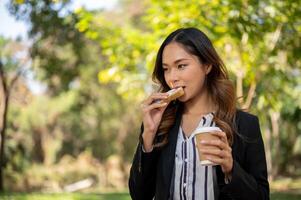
{"type": "Point", "coordinates": [201, 104]}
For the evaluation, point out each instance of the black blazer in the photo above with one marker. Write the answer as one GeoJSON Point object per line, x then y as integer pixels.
{"type": "Point", "coordinates": [151, 173]}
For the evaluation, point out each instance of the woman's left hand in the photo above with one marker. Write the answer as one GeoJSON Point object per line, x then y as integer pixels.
{"type": "Point", "coordinates": [221, 156]}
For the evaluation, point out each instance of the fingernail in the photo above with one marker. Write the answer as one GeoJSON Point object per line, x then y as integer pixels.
{"type": "Point", "coordinates": [157, 101]}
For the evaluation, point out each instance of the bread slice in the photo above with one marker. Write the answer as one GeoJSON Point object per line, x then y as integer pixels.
{"type": "Point", "coordinates": [174, 94]}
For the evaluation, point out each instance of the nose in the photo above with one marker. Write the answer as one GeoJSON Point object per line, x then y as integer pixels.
{"type": "Point", "coordinates": [172, 77]}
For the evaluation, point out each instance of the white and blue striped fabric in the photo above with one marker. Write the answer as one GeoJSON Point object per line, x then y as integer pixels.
{"type": "Point", "coordinates": [192, 181]}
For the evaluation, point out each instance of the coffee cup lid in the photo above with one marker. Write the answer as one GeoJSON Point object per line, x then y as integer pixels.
{"type": "Point", "coordinates": [205, 129]}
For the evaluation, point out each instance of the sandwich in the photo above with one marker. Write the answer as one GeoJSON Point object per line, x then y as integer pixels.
{"type": "Point", "coordinates": [174, 94]}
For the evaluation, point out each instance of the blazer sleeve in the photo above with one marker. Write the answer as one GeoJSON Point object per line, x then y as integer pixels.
{"type": "Point", "coordinates": [249, 176]}
{"type": "Point", "coordinates": [142, 180]}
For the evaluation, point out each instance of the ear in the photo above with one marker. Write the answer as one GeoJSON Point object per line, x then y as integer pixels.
{"type": "Point", "coordinates": [208, 69]}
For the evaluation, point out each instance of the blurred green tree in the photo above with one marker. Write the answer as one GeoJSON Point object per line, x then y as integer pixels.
{"type": "Point", "coordinates": [13, 62]}
{"type": "Point", "coordinates": [259, 42]}
{"type": "Point", "coordinates": [97, 67]}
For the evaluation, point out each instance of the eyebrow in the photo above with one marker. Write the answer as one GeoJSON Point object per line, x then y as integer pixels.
{"type": "Point", "coordinates": [177, 61]}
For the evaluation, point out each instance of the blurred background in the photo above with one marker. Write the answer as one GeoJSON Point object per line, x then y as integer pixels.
{"type": "Point", "coordinates": [73, 74]}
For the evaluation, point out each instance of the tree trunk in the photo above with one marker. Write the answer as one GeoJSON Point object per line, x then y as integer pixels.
{"type": "Point", "coordinates": [244, 103]}
{"type": "Point", "coordinates": [275, 116]}
{"type": "Point", "coordinates": [268, 148]}
{"type": "Point", "coordinates": [3, 113]}
{"type": "Point", "coordinates": [2, 155]}
{"type": "Point", "coordinates": [38, 153]}
{"type": "Point", "coordinates": [4, 102]}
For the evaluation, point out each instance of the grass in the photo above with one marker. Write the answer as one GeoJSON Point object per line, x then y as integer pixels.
{"type": "Point", "coordinates": [63, 196]}
{"type": "Point", "coordinates": [113, 196]}
{"type": "Point", "coordinates": [285, 196]}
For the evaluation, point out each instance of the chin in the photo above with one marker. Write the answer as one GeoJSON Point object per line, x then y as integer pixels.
{"type": "Point", "coordinates": [183, 99]}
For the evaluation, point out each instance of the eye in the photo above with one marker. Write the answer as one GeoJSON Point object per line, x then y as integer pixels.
{"type": "Point", "coordinates": [181, 66]}
{"type": "Point", "coordinates": [165, 68]}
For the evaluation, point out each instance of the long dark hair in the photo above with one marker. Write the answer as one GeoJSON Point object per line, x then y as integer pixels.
{"type": "Point", "coordinates": [220, 88]}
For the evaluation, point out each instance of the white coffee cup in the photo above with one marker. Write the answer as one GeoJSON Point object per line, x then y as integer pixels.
{"type": "Point", "coordinates": [204, 133]}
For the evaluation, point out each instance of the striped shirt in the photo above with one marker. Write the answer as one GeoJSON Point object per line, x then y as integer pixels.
{"type": "Point", "coordinates": [192, 181]}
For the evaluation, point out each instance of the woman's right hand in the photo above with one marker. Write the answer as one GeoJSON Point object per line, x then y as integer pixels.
{"type": "Point", "coordinates": [152, 114]}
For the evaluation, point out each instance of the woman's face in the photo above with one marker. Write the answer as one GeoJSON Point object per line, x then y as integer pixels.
{"type": "Point", "coordinates": [182, 69]}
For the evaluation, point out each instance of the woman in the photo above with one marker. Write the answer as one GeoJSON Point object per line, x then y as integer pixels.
{"type": "Point", "coordinates": [165, 164]}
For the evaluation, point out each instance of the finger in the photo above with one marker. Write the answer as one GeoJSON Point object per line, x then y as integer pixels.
{"type": "Point", "coordinates": [222, 135]}
{"type": "Point", "coordinates": [215, 152]}
{"type": "Point", "coordinates": [159, 95]}
{"type": "Point", "coordinates": [155, 105]}
{"type": "Point", "coordinates": [218, 143]}
{"type": "Point", "coordinates": [216, 160]}
{"type": "Point", "coordinates": [149, 102]}
{"type": "Point", "coordinates": [154, 97]}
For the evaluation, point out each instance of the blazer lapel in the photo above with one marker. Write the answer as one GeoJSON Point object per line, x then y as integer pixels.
{"type": "Point", "coordinates": [168, 153]}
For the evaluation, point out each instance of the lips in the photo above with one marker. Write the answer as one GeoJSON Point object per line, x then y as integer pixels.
{"type": "Point", "coordinates": [175, 87]}
{"type": "Point", "coordinates": [179, 87]}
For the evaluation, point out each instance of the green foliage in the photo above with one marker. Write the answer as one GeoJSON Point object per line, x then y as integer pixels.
{"type": "Point", "coordinates": [97, 66]}
{"type": "Point", "coordinates": [56, 51]}
{"type": "Point", "coordinates": [258, 41]}
{"type": "Point", "coordinates": [9, 55]}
